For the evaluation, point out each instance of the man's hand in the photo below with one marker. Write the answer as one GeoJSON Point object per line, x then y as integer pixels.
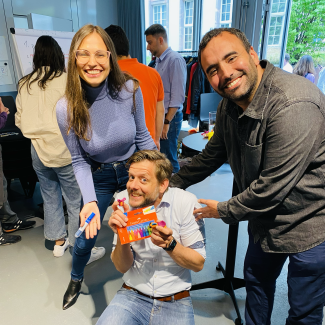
{"type": "Point", "coordinates": [118, 219]}
{"type": "Point", "coordinates": [161, 236]}
{"type": "Point", "coordinates": [164, 132]}
{"type": "Point", "coordinates": [94, 224]}
{"type": "Point", "coordinates": [210, 211]}
{"type": "Point", "coordinates": [3, 108]}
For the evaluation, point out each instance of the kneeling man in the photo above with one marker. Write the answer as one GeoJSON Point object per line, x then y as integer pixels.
{"type": "Point", "coordinates": [156, 270]}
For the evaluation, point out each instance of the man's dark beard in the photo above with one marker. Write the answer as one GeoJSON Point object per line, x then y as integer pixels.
{"type": "Point", "coordinates": [251, 81]}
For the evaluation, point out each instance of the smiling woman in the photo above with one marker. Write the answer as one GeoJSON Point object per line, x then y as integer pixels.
{"type": "Point", "coordinates": [93, 67]}
{"type": "Point", "coordinates": [102, 122]}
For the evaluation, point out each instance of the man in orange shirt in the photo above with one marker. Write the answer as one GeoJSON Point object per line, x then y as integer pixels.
{"type": "Point", "coordinates": [150, 82]}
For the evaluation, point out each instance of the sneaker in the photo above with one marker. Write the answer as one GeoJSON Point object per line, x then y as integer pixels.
{"type": "Point", "coordinates": [9, 239]}
{"type": "Point", "coordinates": [18, 225]}
{"type": "Point", "coordinates": [96, 254]}
{"type": "Point", "coordinates": [59, 250]}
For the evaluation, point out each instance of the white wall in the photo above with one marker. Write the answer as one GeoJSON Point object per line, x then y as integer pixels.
{"type": "Point", "coordinates": [173, 33]}
{"type": "Point", "coordinates": [57, 8]}
{"type": "Point", "coordinates": [80, 12]}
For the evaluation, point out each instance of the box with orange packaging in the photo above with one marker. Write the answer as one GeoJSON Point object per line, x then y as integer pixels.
{"type": "Point", "coordinates": [139, 225]}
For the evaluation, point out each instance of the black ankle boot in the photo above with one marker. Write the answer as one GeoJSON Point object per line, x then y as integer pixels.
{"type": "Point", "coordinates": [72, 293]}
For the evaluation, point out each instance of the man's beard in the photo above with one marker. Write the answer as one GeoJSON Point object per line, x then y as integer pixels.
{"type": "Point", "coordinates": [250, 85]}
{"type": "Point", "coordinates": [154, 53]}
{"type": "Point", "coordinates": [147, 200]}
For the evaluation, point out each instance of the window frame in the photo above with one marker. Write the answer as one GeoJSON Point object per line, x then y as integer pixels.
{"type": "Point", "coordinates": [276, 15]}
{"type": "Point", "coordinates": [229, 21]}
{"type": "Point", "coordinates": [157, 5]}
{"type": "Point", "coordinates": [188, 26]}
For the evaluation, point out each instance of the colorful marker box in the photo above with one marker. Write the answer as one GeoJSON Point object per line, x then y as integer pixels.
{"type": "Point", "coordinates": [139, 225]}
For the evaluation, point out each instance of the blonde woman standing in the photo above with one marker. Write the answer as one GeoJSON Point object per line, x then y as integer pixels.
{"type": "Point", "coordinates": [102, 122]}
{"type": "Point", "coordinates": [38, 93]}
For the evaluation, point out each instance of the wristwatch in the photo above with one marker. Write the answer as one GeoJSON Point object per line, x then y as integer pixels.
{"type": "Point", "coordinates": [166, 121]}
{"type": "Point", "coordinates": [171, 245]}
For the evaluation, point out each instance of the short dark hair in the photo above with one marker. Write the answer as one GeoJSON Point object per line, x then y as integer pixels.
{"type": "Point", "coordinates": [156, 30]}
{"type": "Point", "coordinates": [217, 31]}
{"type": "Point", "coordinates": [164, 167]}
{"type": "Point", "coordinates": [119, 38]}
{"type": "Point", "coordinates": [287, 57]}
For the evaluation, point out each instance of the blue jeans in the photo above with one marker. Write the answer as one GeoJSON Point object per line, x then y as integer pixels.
{"type": "Point", "coordinates": [306, 284]}
{"type": "Point", "coordinates": [169, 146]}
{"type": "Point", "coordinates": [108, 178]}
{"type": "Point", "coordinates": [55, 182]}
{"type": "Point", "coordinates": [130, 308]}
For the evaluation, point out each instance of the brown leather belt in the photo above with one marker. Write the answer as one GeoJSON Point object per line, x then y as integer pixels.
{"type": "Point", "coordinates": [177, 296]}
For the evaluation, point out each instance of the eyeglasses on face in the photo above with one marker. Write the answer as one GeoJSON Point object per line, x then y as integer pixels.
{"type": "Point", "coordinates": [83, 56]}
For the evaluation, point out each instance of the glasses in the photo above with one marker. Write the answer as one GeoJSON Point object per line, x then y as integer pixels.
{"type": "Point", "coordinates": [83, 56]}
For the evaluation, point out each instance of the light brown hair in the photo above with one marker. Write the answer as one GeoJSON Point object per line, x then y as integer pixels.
{"type": "Point", "coordinates": [164, 167]}
{"type": "Point", "coordinates": [78, 114]}
{"type": "Point", "coordinates": [304, 66]}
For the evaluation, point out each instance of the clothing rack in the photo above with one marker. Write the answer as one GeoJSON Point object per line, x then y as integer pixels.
{"type": "Point", "coordinates": [188, 52]}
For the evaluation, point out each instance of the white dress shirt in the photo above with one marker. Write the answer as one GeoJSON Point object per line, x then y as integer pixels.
{"type": "Point", "coordinates": [153, 271]}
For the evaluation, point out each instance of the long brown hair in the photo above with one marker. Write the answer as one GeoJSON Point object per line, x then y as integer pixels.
{"type": "Point", "coordinates": [304, 66]}
{"type": "Point", "coordinates": [78, 114]}
{"type": "Point", "coordinates": [48, 63]}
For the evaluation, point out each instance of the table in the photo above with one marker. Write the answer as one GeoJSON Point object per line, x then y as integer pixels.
{"type": "Point", "coordinates": [193, 145]}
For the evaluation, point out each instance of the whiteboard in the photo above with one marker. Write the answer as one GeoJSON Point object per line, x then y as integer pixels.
{"type": "Point", "coordinates": [25, 40]}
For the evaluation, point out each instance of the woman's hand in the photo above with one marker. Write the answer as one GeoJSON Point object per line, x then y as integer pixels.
{"type": "Point", "coordinates": [157, 143]}
{"type": "Point", "coordinates": [94, 224]}
{"type": "Point", "coordinates": [3, 108]}
{"type": "Point", "coordinates": [118, 219]}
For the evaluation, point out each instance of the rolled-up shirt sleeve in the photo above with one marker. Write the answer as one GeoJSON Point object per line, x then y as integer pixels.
{"type": "Point", "coordinates": [177, 82]}
{"type": "Point", "coordinates": [192, 232]}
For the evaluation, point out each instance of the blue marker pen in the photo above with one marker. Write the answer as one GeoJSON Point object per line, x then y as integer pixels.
{"type": "Point", "coordinates": [81, 229]}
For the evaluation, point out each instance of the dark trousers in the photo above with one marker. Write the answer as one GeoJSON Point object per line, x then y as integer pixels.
{"type": "Point", "coordinates": [306, 284]}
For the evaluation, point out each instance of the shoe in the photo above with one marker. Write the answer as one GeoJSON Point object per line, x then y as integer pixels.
{"type": "Point", "coordinates": [18, 225]}
{"type": "Point", "coordinates": [59, 250]}
{"type": "Point", "coordinates": [96, 254]}
{"type": "Point", "coordinates": [72, 294]}
{"type": "Point", "coordinates": [9, 239]}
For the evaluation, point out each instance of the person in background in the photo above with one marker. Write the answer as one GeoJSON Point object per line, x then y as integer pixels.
{"type": "Point", "coordinates": [305, 68]}
{"type": "Point", "coordinates": [38, 93]}
{"type": "Point", "coordinates": [287, 66]}
{"type": "Point", "coordinates": [102, 122]}
{"type": "Point", "coordinates": [9, 218]}
{"type": "Point", "coordinates": [150, 82]}
{"type": "Point", "coordinates": [321, 79]}
{"type": "Point", "coordinates": [157, 269]}
{"type": "Point", "coordinates": [172, 68]}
